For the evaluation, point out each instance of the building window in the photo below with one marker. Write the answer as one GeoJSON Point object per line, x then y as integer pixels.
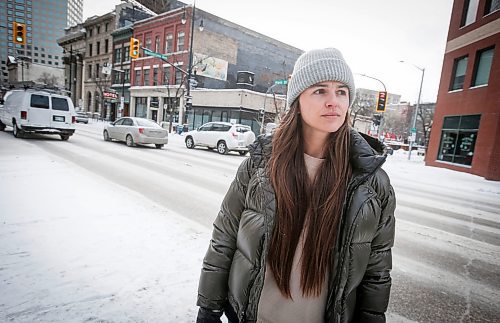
{"type": "Point", "coordinates": [146, 77]}
{"type": "Point", "coordinates": [141, 107]}
{"type": "Point", "coordinates": [107, 25]}
{"type": "Point", "coordinates": [98, 29]}
{"type": "Point", "coordinates": [482, 66]}
{"type": "Point", "coordinates": [180, 41]}
{"type": "Point", "coordinates": [166, 75]}
{"type": "Point", "coordinates": [157, 44]}
{"type": "Point", "coordinates": [148, 42]}
{"type": "Point", "coordinates": [155, 76]}
{"type": "Point", "coordinates": [469, 13]}
{"type": "Point", "coordinates": [116, 79]}
{"type": "Point", "coordinates": [90, 50]}
{"type": "Point", "coordinates": [106, 45]}
{"type": "Point", "coordinates": [118, 55]}
{"type": "Point", "coordinates": [98, 48]}
{"type": "Point", "coordinates": [89, 75]}
{"type": "Point", "coordinates": [458, 139]}
{"type": "Point", "coordinates": [137, 78]}
{"type": "Point", "coordinates": [97, 70]}
{"type": "Point", "coordinates": [90, 32]}
{"type": "Point", "coordinates": [491, 6]}
{"type": "Point", "coordinates": [126, 75]}
{"type": "Point", "coordinates": [458, 75]}
{"type": "Point", "coordinates": [178, 77]}
{"type": "Point", "coordinates": [168, 43]}
{"type": "Point", "coordinates": [126, 53]}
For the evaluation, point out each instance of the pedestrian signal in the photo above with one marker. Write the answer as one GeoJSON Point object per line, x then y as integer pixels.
{"type": "Point", "coordinates": [134, 47]}
{"type": "Point", "coordinates": [382, 97]}
{"type": "Point", "coordinates": [19, 33]}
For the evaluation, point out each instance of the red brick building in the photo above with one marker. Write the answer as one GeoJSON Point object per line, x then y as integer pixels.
{"type": "Point", "coordinates": [465, 134]}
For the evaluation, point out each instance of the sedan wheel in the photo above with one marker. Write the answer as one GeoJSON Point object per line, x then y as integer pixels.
{"type": "Point", "coordinates": [129, 141]}
{"type": "Point", "coordinates": [159, 146]}
{"type": "Point", "coordinates": [221, 147]}
{"type": "Point", "coordinates": [106, 135]}
{"type": "Point", "coordinates": [189, 143]}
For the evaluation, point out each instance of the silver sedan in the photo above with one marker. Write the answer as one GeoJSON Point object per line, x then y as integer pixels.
{"type": "Point", "coordinates": [135, 131]}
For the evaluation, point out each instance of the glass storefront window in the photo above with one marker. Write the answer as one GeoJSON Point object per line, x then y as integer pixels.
{"type": "Point", "coordinates": [141, 108]}
{"type": "Point", "coordinates": [458, 139]}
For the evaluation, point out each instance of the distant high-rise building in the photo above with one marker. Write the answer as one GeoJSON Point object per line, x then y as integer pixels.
{"type": "Point", "coordinates": [45, 21]}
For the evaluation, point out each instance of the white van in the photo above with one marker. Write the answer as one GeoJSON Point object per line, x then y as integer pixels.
{"type": "Point", "coordinates": [38, 111]}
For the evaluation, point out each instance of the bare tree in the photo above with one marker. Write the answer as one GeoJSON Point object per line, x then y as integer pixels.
{"type": "Point", "coordinates": [425, 116]}
{"type": "Point", "coordinates": [48, 79]}
{"type": "Point", "coordinates": [362, 106]}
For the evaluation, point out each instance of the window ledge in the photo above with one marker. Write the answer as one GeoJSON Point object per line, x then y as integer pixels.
{"type": "Point", "coordinates": [455, 91]}
{"type": "Point", "coordinates": [453, 164]}
{"type": "Point", "coordinates": [478, 86]}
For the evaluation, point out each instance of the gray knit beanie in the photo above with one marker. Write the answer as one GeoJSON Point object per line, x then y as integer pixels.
{"type": "Point", "coordinates": [319, 65]}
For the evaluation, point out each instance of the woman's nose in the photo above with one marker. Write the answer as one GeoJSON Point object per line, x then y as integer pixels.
{"type": "Point", "coordinates": [331, 99]}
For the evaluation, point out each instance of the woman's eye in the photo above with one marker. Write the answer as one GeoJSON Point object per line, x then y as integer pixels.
{"type": "Point", "coordinates": [342, 92]}
{"type": "Point", "coordinates": [319, 91]}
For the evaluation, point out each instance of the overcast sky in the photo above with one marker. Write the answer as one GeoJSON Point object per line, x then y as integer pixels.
{"type": "Point", "coordinates": [374, 36]}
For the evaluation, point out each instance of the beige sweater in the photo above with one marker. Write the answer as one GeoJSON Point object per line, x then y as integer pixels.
{"type": "Point", "coordinates": [273, 307]}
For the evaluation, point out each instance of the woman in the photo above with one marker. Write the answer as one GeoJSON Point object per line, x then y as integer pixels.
{"type": "Point", "coordinates": [305, 231]}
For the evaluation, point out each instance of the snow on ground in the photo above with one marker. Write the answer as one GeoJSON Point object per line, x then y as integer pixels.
{"type": "Point", "coordinates": [111, 256]}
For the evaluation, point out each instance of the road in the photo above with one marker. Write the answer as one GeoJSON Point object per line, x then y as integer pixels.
{"type": "Point", "coordinates": [447, 251]}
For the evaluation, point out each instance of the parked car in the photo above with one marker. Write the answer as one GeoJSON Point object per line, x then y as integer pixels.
{"type": "Point", "coordinates": [223, 136]}
{"type": "Point", "coordinates": [38, 111]}
{"type": "Point", "coordinates": [82, 117]}
{"type": "Point", "coordinates": [135, 131]}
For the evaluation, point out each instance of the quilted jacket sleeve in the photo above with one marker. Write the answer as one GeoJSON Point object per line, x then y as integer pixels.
{"type": "Point", "coordinates": [373, 292]}
{"type": "Point", "coordinates": [213, 285]}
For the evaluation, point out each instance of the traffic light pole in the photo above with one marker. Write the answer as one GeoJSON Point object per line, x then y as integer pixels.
{"type": "Point", "coordinates": [414, 123]}
{"type": "Point", "coordinates": [385, 90]}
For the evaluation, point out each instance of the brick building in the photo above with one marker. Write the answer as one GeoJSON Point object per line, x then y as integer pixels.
{"type": "Point", "coordinates": [225, 56]}
{"type": "Point", "coordinates": [465, 134]}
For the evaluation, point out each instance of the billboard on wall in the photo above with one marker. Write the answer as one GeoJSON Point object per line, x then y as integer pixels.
{"type": "Point", "coordinates": [209, 66]}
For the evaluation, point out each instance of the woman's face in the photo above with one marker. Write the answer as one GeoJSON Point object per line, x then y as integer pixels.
{"type": "Point", "coordinates": [323, 106]}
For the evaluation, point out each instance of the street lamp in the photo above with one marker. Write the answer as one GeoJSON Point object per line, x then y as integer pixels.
{"type": "Point", "coordinates": [122, 98]}
{"type": "Point", "coordinates": [189, 101]}
{"type": "Point", "coordinates": [414, 122]}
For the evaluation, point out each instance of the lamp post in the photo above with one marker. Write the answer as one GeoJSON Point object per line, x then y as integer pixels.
{"type": "Point", "coordinates": [122, 98]}
{"type": "Point", "coordinates": [189, 101]}
{"type": "Point", "coordinates": [414, 122]}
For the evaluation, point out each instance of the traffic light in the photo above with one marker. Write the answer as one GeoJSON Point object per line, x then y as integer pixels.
{"type": "Point", "coordinates": [134, 47]}
{"type": "Point", "coordinates": [382, 96]}
{"type": "Point", "coordinates": [376, 119]}
{"type": "Point", "coordinates": [19, 33]}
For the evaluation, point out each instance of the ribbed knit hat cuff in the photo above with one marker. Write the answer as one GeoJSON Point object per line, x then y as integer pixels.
{"type": "Point", "coordinates": [319, 66]}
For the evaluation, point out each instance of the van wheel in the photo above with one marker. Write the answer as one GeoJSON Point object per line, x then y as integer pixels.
{"type": "Point", "coordinates": [159, 146]}
{"type": "Point", "coordinates": [18, 133]}
{"type": "Point", "coordinates": [2, 126]}
{"type": "Point", "coordinates": [129, 141]}
{"type": "Point", "coordinates": [222, 147]}
{"type": "Point", "coordinates": [64, 137]}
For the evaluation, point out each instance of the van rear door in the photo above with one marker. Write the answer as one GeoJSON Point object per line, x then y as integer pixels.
{"type": "Point", "coordinates": [39, 114]}
{"type": "Point", "coordinates": [61, 112]}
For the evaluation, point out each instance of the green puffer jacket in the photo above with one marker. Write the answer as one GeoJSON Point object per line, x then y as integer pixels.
{"type": "Point", "coordinates": [359, 280]}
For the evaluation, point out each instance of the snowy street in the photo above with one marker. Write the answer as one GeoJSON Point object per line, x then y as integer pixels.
{"type": "Point", "coordinates": [95, 231]}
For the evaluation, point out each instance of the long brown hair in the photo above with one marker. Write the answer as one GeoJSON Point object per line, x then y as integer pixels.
{"type": "Point", "coordinates": [315, 207]}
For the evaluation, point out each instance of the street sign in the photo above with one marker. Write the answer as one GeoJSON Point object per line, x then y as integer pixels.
{"type": "Point", "coordinates": [413, 130]}
{"type": "Point", "coordinates": [155, 54]}
{"type": "Point", "coordinates": [281, 82]}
